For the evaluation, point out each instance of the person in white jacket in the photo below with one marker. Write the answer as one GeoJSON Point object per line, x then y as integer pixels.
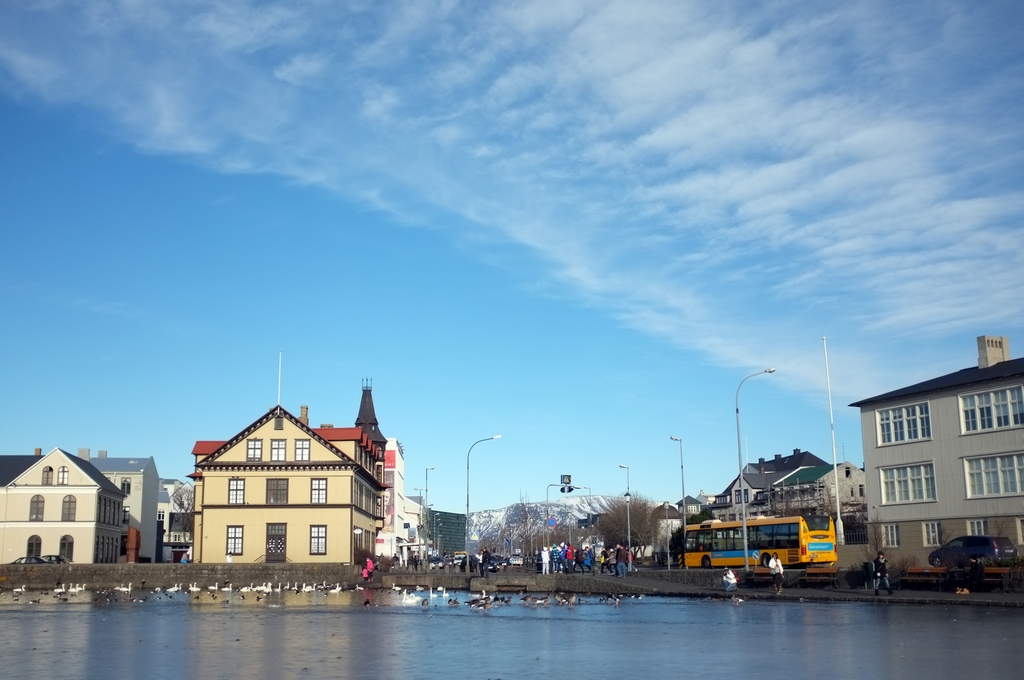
{"type": "Point", "coordinates": [545, 560]}
{"type": "Point", "coordinates": [775, 564]}
{"type": "Point", "coordinates": [729, 579]}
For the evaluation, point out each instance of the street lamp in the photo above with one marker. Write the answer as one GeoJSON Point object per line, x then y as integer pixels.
{"type": "Point", "coordinates": [485, 439]}
{"type": "Point", "coordinates": [629, 529]}
{"type": "Point", "coordinates": [739, 460]}
{"type": "Point", "coordinates": [426, 504]}
{"type": "Point", "coordinates": [682, 481]}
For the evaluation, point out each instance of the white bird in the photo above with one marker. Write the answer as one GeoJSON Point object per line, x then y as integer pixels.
{"type": "Point", "coordinates": [213, 587]}
{"type": "Point", "coordinates": [63, 589]}
{"type": "Point", "coordinates": [175, 588]}
{"type": "Point", "coordinates": [122, 589]}
{"type": "Point", "coordinates": [228, 589]}
{"type": "Point", "coordinates": [307, 589]}
{"type": "Point", "coordinates": [336, 589]}
{"type": "Point", "coordinates": [194, 588]}
{"type": "Point", "coordinates": [359, 587]}
{"type": "Point", "coordinates": [23, 589]}
{"type": "Point", "coordinates": [246, 589]}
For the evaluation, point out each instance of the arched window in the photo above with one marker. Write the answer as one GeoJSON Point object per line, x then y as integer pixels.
{"type": "Point", "coordinates": [67, 548]}
{"type": "Point", "coordinates": [35, 509]}
{"type": "Point", "coordinates": [47, 476]}
{"type": "Point", "coordinates": [62, 475]}
{"type": "Point", "coordinates": [67, 510]}
{"type": "Point", "coordinates": [35, 547]}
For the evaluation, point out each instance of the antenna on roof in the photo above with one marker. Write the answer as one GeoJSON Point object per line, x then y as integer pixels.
{"type": "Point", "coordinates": [280, 355]}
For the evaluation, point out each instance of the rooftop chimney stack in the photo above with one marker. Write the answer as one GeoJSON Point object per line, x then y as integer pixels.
{"type": "Point", "coordinates": [992, 350]}
{"type": "Point", "coordinates": [83, 454]}
{"type": "Point", "coordinates": [38, 452]}
{"type": "Point", "coordinates": [304, 417]}
{"type": "Point", "coordinates": [102, 453]}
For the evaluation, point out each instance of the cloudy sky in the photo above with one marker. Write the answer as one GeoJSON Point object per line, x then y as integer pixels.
{"type": "Point", "coordinates": [577, 224]}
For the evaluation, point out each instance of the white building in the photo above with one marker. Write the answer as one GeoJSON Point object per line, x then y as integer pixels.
{"type": "Point", "coordinates": [401, 514]}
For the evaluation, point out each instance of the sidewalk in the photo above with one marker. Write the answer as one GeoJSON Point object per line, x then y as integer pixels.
{"type": "Point", "coordinates": [668, 588]}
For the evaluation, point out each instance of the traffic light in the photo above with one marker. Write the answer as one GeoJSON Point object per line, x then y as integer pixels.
{"type": "Point", "coordinates": [568, 489]}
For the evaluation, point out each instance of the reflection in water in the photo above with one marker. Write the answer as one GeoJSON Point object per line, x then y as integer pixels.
{"type": "Point", "coordinates": [334, 636]}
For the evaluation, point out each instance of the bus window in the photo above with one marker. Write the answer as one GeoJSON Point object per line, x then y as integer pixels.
{"type": "Point", "coordinates": [759, 537]}
{"type": "Point", "coordinates": [704, 540]}
{"type": "Point", "coordinates": [691, 541]}
{"type": "Point", "coordinates": [818, 523]}
{"type": "Point", "coordinates": [787, 536]}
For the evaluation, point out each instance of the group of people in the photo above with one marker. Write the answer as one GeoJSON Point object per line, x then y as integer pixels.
{"type": "Point", "coordinates": [774, 566]}
{"type": "Point", "coordinates": [565, 558]}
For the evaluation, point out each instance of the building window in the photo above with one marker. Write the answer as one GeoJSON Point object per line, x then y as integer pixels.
{"type": "Point", "coordinates": [301, 449]}
{"type": "Point", "coordinates": [234, 540]}
{"type": "Point", "coordinates": [161, 515]}
{"type": "Point", "coordinates": [47, 476]}
{"type": "Point", "coordinates": [67, 509]}
{"type": "Point", "coordinates": [62, 475]}
{"type": "Point", "coordinates": [932, 531]}
{"type": "Point", "coordinates": [318, 540]}
{"type": "Point", "coordinates": [277, 492]}
{"type": "Point", "coordinates": [278, 449]}
{"type": "Point", "coordinates": [126, 487]}
{"type": "Point", "coordinates": [236, 491]}
{"type": "Point", "coordinates": [860, 489]}
{"type": "Point", "coordinates": [254, 450]}
{"type": "Point", "coordinates": [67, 548]}
{"type": "Point", "coordinates": [35, 509]}
{"type": "Point", "coordinates": [908, 484]}
{"type": "Point", "coordinates": [318, 491]}
{"type": "Point", "coordinates": [126, 514]}
{"type": "Point", "coordinates": [992, 410]}
{"type": "Point", "coordinates": [890, 536]}
{"type": "Point", "coordinates": [34, 547]}
{"type": "Point", "coordinates": [995, 475]}
{"type": "Point", "coordinates": [976, 527]}
{"type": "Point", "coordinates": [906, 423]}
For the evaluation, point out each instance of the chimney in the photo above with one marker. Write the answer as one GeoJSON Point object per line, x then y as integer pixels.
{"type": "Point", "coordinates": [992, 350]}
{"type": "Point", "coordinates": [83, 453]}
{"type": "Point", "coordinates": [796, 452]}
{"type": "Point", "coordinates": [102, 453]}
{"type": "Point", "coordinates": [778, 457]}
{"type": "Point", "coordinates": [39, 452]}
{"type": "Point", "coordinates": [326, 425]}
{"type": "Point", "coordinates": [304, 418]}
{"type": "Point", "coordinates": [760, 461]}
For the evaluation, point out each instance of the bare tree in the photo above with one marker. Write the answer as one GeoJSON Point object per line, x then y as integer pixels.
{"type": "Point", "coordinates": [183, 505]}
{"type": "Point", "coordinates": [642, 519]}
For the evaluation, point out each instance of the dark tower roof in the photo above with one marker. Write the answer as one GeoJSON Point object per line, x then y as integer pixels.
{"type": "Point", "coordinates": [367, 418]}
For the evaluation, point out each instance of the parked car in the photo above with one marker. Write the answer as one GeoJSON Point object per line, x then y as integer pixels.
{"type": "Point", "coordinates": [957, 553]}
{"type": "Point", "coordinates": [56, 559]}
{"type": "Point", "coordinates": [30, 560]}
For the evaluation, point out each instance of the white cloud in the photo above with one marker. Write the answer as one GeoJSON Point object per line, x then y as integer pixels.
{"type": "Point", "coordinates": [696, 170]}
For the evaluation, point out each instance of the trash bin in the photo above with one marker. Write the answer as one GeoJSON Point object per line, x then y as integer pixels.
{"type": "Point", "coordinates": [540, 564]}
{"type": "Point", "coordinates": [869, 575]}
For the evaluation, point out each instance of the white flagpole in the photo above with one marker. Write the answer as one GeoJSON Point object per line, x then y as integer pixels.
{"type": "Point", "coordinates": [840, 537]}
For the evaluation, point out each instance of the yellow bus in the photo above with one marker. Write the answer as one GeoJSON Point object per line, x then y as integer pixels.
{"type": "Point", "coordinates": [800, 541]}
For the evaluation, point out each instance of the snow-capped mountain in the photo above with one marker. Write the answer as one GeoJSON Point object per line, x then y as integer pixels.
{"type": "Point", "coordinates": [490, 525]}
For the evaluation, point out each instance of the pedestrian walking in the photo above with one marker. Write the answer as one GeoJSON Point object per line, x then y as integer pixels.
{"type": "Point", "coordinates": [485, 562]}
{"type": "Point", "coordinates": [603, 558]}
{"type": "Point", "coordinates": [775, 564]}
{"type": "Point", "coordinates": [621, 560]}
{"type": "Point", "coordinates": [881, 573]}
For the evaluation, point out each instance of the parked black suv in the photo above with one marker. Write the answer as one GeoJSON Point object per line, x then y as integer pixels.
{"type": "Point", "coordinates": [957, 553]}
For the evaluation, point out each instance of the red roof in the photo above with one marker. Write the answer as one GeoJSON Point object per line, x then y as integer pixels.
{"type": "Point", "coordinates": [204, 448]}
{"type": "Point", "coordinates": [198, 474]}
{"type": "Point", "coordinates": [340, 434]}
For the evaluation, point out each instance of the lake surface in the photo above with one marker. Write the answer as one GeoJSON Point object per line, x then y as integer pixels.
{"type": "Point", "coordinates": [334, 636]}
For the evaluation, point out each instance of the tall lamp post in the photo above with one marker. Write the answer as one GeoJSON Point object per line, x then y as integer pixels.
{"type": "Point", "coordinates": [485, 439]}
{"type": "Point", "coordinates": [426, 504]}
{"type": "Point", "coordinates": [629, 529]}
{"type": "Point", "coordinates": [739, 460]}
{"type": "Point", "coordinates": [682, 481]}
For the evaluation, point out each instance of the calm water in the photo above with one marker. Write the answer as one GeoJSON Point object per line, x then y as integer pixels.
{"type": "Point", "coordinates": [333, 636]}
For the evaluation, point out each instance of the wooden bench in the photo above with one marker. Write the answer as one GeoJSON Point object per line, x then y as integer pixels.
{"type": "Point", "coordinates": [826, 575]}
{"type": "Point", "coordinates": [994, 577]}
{"type": "Point", "coordinates": [934, 576]}
{"type": "Point", "coordinates": [760, 576]}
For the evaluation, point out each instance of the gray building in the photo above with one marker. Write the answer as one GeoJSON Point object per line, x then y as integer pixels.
{"type": "Point", "coordinates": [140, 483]}
{"type": "Point", "coordinates": [945, 457]}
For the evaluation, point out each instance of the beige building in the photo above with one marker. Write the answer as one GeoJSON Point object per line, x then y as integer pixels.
{"type": "Point", "coordinates": [280, 490]}
{"type": "Point", "coordinates": [945, 457]}
{"type": "Point", "coordinates": [58, 504]}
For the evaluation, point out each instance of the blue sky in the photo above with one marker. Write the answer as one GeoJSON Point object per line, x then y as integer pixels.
{"type": "Point", "coordinates": [577, 224]}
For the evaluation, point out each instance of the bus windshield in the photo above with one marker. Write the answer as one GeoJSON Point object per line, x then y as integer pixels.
{"type": "Point", "coordinates": [817, 523]}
